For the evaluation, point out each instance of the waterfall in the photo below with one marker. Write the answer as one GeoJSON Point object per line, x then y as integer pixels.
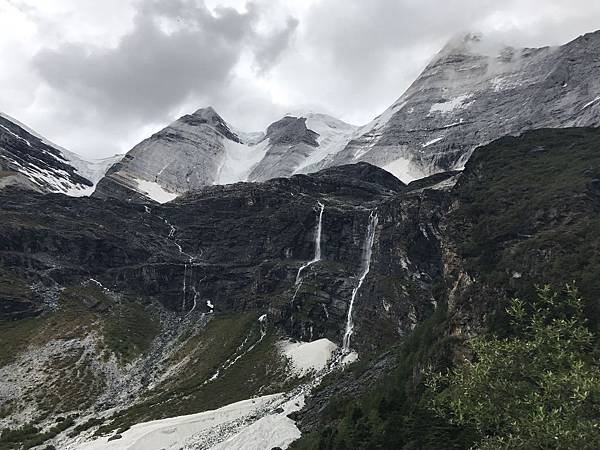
{"type": "Point", "coordinates": [317, 256]}
{"type": "Point", "coordinates": [185, 271]}
{"type": "Point", "coordinates": [366, 265]}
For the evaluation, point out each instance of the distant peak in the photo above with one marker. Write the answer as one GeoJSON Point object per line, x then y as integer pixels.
{"type": "Point", "coordinates": [208, 116]}
{"type": "Point", "coordinates": [208, 112]}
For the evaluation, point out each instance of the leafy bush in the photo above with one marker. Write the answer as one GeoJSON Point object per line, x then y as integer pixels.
{"type": "Point", "coordinates": [539, 388]}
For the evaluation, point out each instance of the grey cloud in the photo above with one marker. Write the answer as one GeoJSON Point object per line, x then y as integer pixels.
{"type": "Point", "coordinates": [372, 50]}
{"type": "Point", "coordinates": [271, 47]}
{"type": "Point", "coordinates": [177, 53]}
{"type": "Point", "coordinates": [351, 58]}
{"type": "Point", "coordinates": [151, 71]}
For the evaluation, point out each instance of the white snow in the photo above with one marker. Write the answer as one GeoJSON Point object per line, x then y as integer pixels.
{"type": "Point", "coordinates": [404, 170]}
{"type": "Point", "coordinates": [155, 191]}
{"type": "Point", "coordinates": [349, 358]}
{"type": "Point", "coordinates": [56, 180]}
{"type": "Point", "coordinates": [591, 103]}
{"type": "Point", "coordinates": [450, 105]}
{"type": "Point", "coordinates": [185, 431]}
{"type": "Point", "coordinates": [306, 357]}
{"type": "Point", "coordinates": [431, 142]}
{"type": "Point", "coordinates": [273, 430]}
{"type": "Point", "coordinates": [17, 136]}
{"type": "Point", "coordinates": [239, 160]}
{"type": "Point", "coordinates": [333, 137]}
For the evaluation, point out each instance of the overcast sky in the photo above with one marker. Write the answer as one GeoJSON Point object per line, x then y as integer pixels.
{"type": "Point", "coordinates": [98, 76]}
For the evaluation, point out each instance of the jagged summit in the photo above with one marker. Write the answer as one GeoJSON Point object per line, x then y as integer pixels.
{"type": "Point", "coordinates": [474, 90]}
{"type": "Point", "coordinates": [202, 149]}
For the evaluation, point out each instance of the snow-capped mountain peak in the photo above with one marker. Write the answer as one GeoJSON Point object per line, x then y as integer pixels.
{"type": "Point", "coordinates": [29, 160]}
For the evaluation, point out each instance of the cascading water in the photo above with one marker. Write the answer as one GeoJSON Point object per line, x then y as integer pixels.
{"type": "Point", "coordinates": [365, 267]}
{"type": "Point", "coordinates": [185, 271]}
{"type": "Point", "coordinates": [317, 256]}
{"type": "Point", "coordinates": [186, 266]}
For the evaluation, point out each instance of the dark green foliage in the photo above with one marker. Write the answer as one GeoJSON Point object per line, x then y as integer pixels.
{"type": "Point", "coordinates": [537, 389]}
{"type": "Point", "coordinates": [29, 436]}
{"type": "Point", "coordinates": [527, 211]}
{"type": "Point", "coordinates": [130, 329]}
{"type": "Point", "coordinates": [394, 413]}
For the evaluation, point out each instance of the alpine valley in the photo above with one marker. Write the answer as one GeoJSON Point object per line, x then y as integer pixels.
{"type": "Point", "coordinates": [220, 289]}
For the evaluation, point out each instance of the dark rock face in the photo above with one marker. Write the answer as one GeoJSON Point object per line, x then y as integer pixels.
{"type": "Point", "coordinates": [241, 245]}
{"type": "Point", "coordinates": [525, 210]}
{"type": "Point", "coordinates": [291, 131]}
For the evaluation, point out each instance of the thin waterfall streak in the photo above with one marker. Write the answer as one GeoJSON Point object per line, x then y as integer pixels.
{"type": "Point", "coordinates": [298, 286]}
{"type": "Point", "coordinates": [366, 266]}
{"type": "Point", "coordinates": [317, 256]}
{"type": "Point", "coordinates": [196, 295]}
{"type": "Point", "coordinates": [185, 270]}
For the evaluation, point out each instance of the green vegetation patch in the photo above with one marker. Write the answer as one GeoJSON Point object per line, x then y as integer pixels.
{"type": "Point", "coordinates": [130, 329]}
{"type": "Point", "coordinates": [230, 344]}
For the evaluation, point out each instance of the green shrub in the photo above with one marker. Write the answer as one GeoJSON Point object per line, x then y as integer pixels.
{"type": "Point", "coordinates": [539, 388]}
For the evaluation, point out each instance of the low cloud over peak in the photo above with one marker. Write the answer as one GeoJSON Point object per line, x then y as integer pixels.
{"type": "Point", "coordinates": [98, 77]}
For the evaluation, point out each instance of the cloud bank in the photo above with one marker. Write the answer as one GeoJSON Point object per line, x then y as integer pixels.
{"type": "Point", "coordinates": [97, 77]}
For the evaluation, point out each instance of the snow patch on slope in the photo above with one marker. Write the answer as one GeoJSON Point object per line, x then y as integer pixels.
{"type": "Point", "coordinates": [270, 431]}
{"type": "Point", "coordinates": [155, 191]}
{"type": "Point", "coordinates": [431, 142]}
{"type": "Point", "coordinates": [56, 180]}
{"type": "Point", "coordinates": [233, 426]}
{"type": "Point", "coordinates": [308, 356]}
{"type": "Point", "coordinates": [587, 105]}
{"type": "Point", "coordinates": [93, 169]}
{"type": "Point", "coordinates": [334, 135]}
{"type": "Point", "coordinates": [239, 160]}
{"type": "Point", "coordinates": [404, 170]}
{"type": "Point", "coordinates": [450, 105]}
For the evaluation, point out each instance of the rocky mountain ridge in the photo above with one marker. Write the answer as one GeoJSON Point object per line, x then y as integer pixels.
{"type": "Point", "coordinates": [201, 150]}
{"type": "Point", "coordinates": [30, 160]}
{"type": "Point", "coordinates": [472, 92]}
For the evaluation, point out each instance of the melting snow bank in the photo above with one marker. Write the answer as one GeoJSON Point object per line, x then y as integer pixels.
{"type": "Point", "coordinates": [155, 191]}
{"type": "Point", "coordinates": [308, 356]}
{"type": "Point", "coordinates": [272, 430]}
{"type": "Point", "coordinates": [231, 427]}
